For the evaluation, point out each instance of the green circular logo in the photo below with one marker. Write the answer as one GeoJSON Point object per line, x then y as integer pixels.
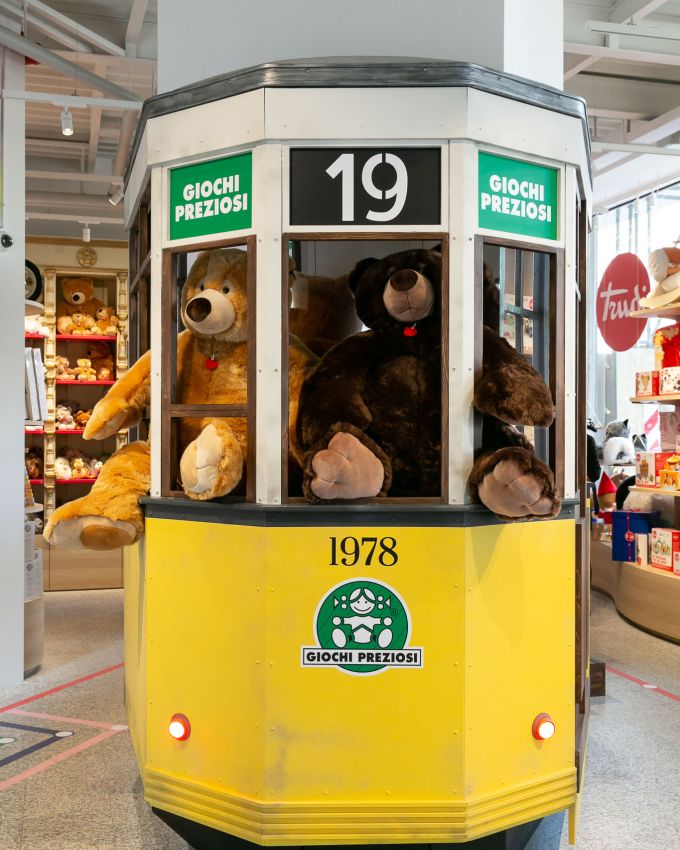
{"type": "Point", "coordinates": [364, 625]}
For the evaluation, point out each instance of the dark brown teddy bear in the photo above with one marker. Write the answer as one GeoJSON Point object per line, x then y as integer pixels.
{"type": "Point", "coordinates": [370, 413]}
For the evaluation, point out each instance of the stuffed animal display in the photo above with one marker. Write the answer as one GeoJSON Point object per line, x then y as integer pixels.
{"type": "Point", "coordinates": [69, 416]}
{"type": "Point", "coordinates": [78, 295]}
{"type": "Point", "coordinates": [99, 354]}
{"type": "Point", "coordinates": [370, 413]}
{"type": "Point", "coordinates": [35, 325]}
{"type": "Point", "coordinates": [212, 361]}
{"type": "Point", "coordinates": [97, 366]}
{"type": "Point", "coordinates": [72, 463]}
{"type": "Point", "coordinates": [106, 322]}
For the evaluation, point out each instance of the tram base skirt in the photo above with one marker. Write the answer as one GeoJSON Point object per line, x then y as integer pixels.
{"type": "Point", "coordinates": [201, 837]}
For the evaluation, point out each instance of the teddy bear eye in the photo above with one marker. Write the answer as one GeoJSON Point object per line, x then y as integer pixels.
{"type": "Point", "coordinates": [226, 288]}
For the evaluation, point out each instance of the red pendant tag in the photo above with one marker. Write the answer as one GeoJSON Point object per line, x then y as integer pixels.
{"type": "Point", "coordinates": [410, 331]}
{"type": "Point", "coordinates": [210, 363]}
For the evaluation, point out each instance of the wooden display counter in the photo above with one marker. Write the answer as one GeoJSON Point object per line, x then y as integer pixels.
{"type": "Point", "coordinates": [86, 570]}
{"type": "Point", "coordinates": [648, 597]}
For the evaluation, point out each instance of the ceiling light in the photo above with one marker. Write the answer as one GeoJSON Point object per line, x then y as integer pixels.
{"type": "Point", "coordinates": [86, 233]}
{"type": "Point", "coordinates": [66, 123]}
{"type": "Point", "coordinates": [667, 31]}
{"type": "Point", "coordinates": [117, 196]}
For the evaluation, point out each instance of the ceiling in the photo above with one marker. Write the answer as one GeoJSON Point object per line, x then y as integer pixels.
{"type": "Point", "coordinates": [69, 179]}
{"type": "Point", "coordinates": [631, 82]}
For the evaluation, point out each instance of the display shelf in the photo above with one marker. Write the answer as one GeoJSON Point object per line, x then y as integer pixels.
{"type": "Point", "coordinates": [75, 480]}
{"type": "Point", "coordinates": [670, 312]}
{"type": "Point", "coordinates": [33, 509]}
{"type": "Point", "coordinates": [67, 431]}
{"type": "Point", "coordinates": [62, 383]}
{"type": "Point", "coordinates": [38, 481]}
{"type": "Point", "coordinates": [34, 336]}
{"type": "Point", "coordinates": [669, 398]}
{"type": "Point", "coordinates": [674, 493]}
{"type": "Point", "coordinates": [85, 338]}
{"type": "Point", "coordinates": [37, 429]}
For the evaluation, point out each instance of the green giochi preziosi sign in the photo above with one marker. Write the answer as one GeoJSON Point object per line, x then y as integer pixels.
{"type": "Point", "coordinates": [211, 197]}
{"type": "Point", "coordinates": [517, 196]}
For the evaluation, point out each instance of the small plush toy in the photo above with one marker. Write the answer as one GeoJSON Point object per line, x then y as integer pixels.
{"type": "Point", "coordinates": [63, 418]}
{"type": "Point", "coordinates": [35, 324]}
{"type": "Point", "coordinates": [84, 370]}
{"type": "Point", "coordinates": [102, 362]}
{"type": "Point", "coordinates": [80, 468]}
{"type": "Point", "coordinates": [62, 468]}
{"type": "Point", "coordinates": [64, 372]}
{"type": "Point", "coordinates": [106, 321]}
{"type": "Point", "coordinates": [34, 462]}
{"type": "Point", "coordinates": [82, 417]}
{"type": "Point", "coordinates": [664, 264]}
{"type": "Point", "coordinates": [81, 324]}
{"type": "Point", "coordinates": [606, 493]}
{"type": "Point", "coordinates": [618, 447]}
{"type": "Point", "coordinates": [370, 413]}
{"type": "Point", "coordinates": [78, 294]}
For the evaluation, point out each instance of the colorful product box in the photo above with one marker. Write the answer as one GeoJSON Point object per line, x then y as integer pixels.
{"type": "Point", "coordinates": [665, 548]}
{"type": "Point", "coordinates": [627, 526]}
{"type": "Point", "coordinates": [646, 384]}
{"type": "Point", "coordinates": [669, 426]}
{"type": "Point", "coordinates": [670, 380]}
{"type": "Point", "coordinates": [642, 550]}
{"type": "Point", "coordinates": [648, 466]}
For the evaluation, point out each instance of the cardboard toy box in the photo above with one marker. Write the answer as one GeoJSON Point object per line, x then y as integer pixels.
{"type": "Point", "coordinates": [626, 526]}
{"type": "Point", "coordinates": [648, 466]}
{"type": "Point", "coordinates": [642, 550]}
{"type": "Point", "coordinates": [665, 549]}
{"type": "Point", "coordinates": [646, 384]}
{"type": "Point", "coordinates": [670, 380]}
{"type": "Point", "coordinates": [669, 426]}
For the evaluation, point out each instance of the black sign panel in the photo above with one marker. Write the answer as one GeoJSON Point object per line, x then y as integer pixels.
{"type": "Point", "coordinates": [367, 186]}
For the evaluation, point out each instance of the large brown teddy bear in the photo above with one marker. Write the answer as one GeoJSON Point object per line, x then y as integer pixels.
{"type": "Point", "coordinates": [214, 311]}
{"type": "Point", "coordinates": [78, 295]}
{"type": "Point", "coordinates": [370, 414]}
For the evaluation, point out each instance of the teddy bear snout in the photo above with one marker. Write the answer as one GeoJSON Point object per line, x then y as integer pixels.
{"type": "Point", "coordinates": [404, 280]}
{"type": "Point", "coordinates": [210, 313]}
{"type": "Point", "coordinates": [408, 296]}
{"type": "Point", "coordinates": [199, 309]}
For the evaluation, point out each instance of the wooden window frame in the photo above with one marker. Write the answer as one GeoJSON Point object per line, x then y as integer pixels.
{"type": "Point", "coordinates": [556, 308]}
{"type": "Point", "coordinates": [339, 236]}
{"type": "Point", "coordinates": [171, 410]}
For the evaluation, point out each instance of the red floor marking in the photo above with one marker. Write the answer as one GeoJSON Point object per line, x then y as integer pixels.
{"type": "Point", "coordinates": [44, 765]}
{"type": "Point", "coordinates": [60, 688]}
{"type": "Point", "coordinates": [67, 720]}
{"type": "Point", "coordinates": [642, 683]}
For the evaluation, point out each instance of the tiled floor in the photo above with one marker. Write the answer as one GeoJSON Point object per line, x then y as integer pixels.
{"type": "Point", "coordinates": [82, 791]}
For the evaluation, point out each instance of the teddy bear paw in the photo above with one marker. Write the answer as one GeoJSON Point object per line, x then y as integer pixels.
{"type": "Point", "coordinates": [211, 465]}
{"type": "Point", "coordinates": [91, 532]}
{"type": "Point", "coordinates": [108, 417]}
{"type": "Point", "coordinates": [512, 490]}
{"type": "Point", "coordinates": [346, 469]}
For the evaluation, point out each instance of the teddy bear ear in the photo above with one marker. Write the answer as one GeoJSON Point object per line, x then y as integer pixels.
{"type": "Point", "coordinates": [358, 270]}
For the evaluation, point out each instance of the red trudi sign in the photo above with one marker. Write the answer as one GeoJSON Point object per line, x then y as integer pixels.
{"type": "Point", "coordinates": [624, 282]}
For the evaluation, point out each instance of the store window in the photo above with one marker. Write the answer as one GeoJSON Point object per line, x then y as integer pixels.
{"type": "Point", "coordinates": [139, 297]}
{"type": "Point", "coordinates": [402, 397]}
{"type": "Point", "coordinates": [638, 228]}
{"type": "Point", "coordinates": [204, 296]}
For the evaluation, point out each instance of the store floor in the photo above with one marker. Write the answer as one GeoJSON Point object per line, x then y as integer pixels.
{"type": "Point", "coordinates": [81, 791]}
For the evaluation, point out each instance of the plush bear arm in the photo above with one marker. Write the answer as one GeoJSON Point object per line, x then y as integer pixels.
{"type": "Point", "coordinates": [509, 388]}
{"type": "Point", "coordinates": [334, 391]}
{"type": "Point", "coordinates": [124, 404]}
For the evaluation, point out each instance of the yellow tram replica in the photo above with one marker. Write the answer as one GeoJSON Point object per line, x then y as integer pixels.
{"type": "Point", "coordinates": [388, 670]}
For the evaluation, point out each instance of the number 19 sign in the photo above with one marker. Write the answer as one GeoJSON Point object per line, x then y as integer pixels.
{"type": "Point", "coordinates": [346, 186]}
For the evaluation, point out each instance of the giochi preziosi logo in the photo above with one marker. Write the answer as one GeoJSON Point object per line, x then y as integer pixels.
{"type": "Point", "coordinates": [362, 626]}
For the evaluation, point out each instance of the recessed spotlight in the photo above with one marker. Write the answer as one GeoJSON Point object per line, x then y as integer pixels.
{"type": "Point", "coordinates": [116, 196]}
{"type": "Point", "coordinates": [66, 122]}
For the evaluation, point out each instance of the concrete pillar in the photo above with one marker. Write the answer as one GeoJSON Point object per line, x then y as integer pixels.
{"type": "Point", "coordinates": [521, 37]}
{"type": "Point", "coordinates": [12, 359]}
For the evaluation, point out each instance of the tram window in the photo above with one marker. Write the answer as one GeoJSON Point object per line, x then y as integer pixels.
{"type": "Point", "coordinates": [206, 290]}
{"type": "Point", "coordinates": [526, 281]}
{"type": "Point", "coordinates": [323, 314]}
{"type": "Point", "coordinates": [139, 303]}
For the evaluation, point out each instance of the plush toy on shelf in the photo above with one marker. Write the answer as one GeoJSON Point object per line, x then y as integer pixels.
{"type": "Point", "coordinates": [82, 417]}
{"type": "Point", "coordinates": [64, 372]}
{"type": "Point", "coordinates": [35, 325]}
{"type": "Point", "coordinates": [664, 264]}
{"type": "Point", "coordinates": [102, 361]}
{"type": "Point", "coordinates": [606, 493]}
{"type": "Point", "coordinates": [34, 462]}
{"type": "Point", "coordinates": [618, 448]}
{"type": "Point", "coordinates": [84, 370]}
{"type": "Point", "coordinates": [106, 321]}
{"type": "Point", "coordinates": [78, 294]}
{"type": "Point", "coordinates": [62, 468]}
{"type": "Point", "coordinates": [80, 468]}
{"type": "Point", "coordinates": [63, 418]}
{"type": "Point", "coordinates": [370, 413]}
{"type": "Point", "coordinates": [212, 356]}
